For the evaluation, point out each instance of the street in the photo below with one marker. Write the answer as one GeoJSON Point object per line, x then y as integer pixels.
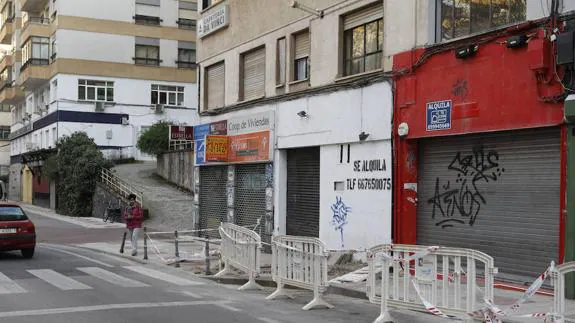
{"type": "Point", "coordinates": [63, 283]}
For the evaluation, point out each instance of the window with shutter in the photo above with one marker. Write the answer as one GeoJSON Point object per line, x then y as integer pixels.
{"type": "Point", "coordinates": [215, 87]}
{"type": "Point", "coordinates": [253, 74]}
{"type": "Point", "coordinates": [301, 56]}
{"type": "Point", "coordinates": [363, 40]}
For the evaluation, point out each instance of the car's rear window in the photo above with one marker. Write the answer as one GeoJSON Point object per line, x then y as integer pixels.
{"type": "Point", "coordinates": [11, 213]}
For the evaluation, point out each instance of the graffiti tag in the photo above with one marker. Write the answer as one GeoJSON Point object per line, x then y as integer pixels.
{"type": "Point", "coordinates": [339, 219]}
{"type": "Point", "coordinates": [462, 203]}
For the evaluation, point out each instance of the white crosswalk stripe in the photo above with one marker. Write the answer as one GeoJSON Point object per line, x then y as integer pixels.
{"type": "Point", "coordinates": [7, 286]}
{"type": "Point", "coordinates": [162, 276]}
{"type": "Point", "coordinates": [111, 277]}
{"type": "Point", "coordinates": [58, 280]}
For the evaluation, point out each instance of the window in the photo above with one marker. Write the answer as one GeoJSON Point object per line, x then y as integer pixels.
{"type": "Point", "coordinates": [6, 78]}
{"type": "Point", "coordinates": [148, 12]}
{"type": "Point", "coordinates": [167, 95]}
{"type": "Point", "coordinates": [5, 108]}
{"type": "Point", "coordinates": [47, 139]}
{"type": "Point", "coordinates": [281, 62]}
{"type": "Point", "coordinates": [90, 90]}
{"type": "Point", "coordinates": [54, 90]}
{"type": "Point", "coordinates": [207, 3]}
{"type": "Point", "coordinates": [187, 15]}
{"type": "Point", "coordinates": [459, 18]}
{"type": "Point", "coordinates": [253, 74]}
{"type": "Point", "coordinates": [54, 136]}
{"type": "Point", "coordinates": [186, 55]}
{"type": "Point", "coordinates": [147, 51]}
{"type": "Point", "coordinates": [7, 14]}
{"type": "Point", "coordinates": [53, 48]}
{"type": "Point", "coordinates": [4, 132]}
{"type": "Point", "coordinates": [301, 56]}
{"type": "Point", "coordinates": [363, 40]}
{"type": "Point", "coordinates": [215, 86]}
{"type": "Point", "coordinates": [36, 51]}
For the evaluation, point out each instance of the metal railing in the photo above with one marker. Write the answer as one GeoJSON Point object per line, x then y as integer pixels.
{"type": "Point", "coordinates": [300, 262]}
{"type": "Point", "coordinates": [121, 187]}
{"type": "Point", "coordinates": [429, 278]}
{"type": "Point", "coordinates": [241, 249]}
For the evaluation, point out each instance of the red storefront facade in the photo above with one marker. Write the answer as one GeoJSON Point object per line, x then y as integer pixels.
{"type": "Point", "coordinates": [480, 153]}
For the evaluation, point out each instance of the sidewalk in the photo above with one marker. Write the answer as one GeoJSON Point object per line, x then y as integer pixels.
{"type": "Point", "coordinates": [86, 222]}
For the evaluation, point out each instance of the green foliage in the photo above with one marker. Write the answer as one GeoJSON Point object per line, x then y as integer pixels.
{"type": "Point", "coordinates": [75, 168]}
{"type": "Point", "coordinates": [156, 139]}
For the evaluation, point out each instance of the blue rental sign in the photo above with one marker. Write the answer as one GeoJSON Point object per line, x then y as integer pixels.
{"type": "Point", "coordinates": [438, 115]}
{"type": "Point", "coordinates": [200, 132]}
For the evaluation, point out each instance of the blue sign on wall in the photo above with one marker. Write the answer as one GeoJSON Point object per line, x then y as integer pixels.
{"type": "Point", "coordinates": [200, 132]}
{"type": "Point", "coordinates": [438, 115]}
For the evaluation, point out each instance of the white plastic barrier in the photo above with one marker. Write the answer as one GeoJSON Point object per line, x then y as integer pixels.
{"type": "Point", "coordinates": [428, 278]}
{"type": "Point", "coordinates": [558, 277]}
{"type": "Point", "coordinates": [241, 249]}
{"type": "Point", "coordinates": [300, 262]}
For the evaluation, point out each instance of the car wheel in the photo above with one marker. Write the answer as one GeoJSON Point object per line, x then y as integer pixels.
{"type": "Point", "coordinates": [28, 253]}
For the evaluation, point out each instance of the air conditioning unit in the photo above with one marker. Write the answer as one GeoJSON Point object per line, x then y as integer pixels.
{"type": "Point", "coordinates": [99, 106]}
{"type": "Point", "coordinates": [125, 121]}
{"type": "Point", "coordinates": [159, 108]}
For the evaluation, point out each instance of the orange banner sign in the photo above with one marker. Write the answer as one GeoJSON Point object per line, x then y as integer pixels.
{"type": "Point", "coordinates": [216, 148]}
{"type": "Point", "coordinates": [253, 146]}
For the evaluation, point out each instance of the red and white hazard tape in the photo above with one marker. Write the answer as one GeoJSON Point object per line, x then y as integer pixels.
{"type": "Point", "coordinates": [428, 306]}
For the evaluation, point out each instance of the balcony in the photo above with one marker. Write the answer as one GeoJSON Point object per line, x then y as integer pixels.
{"type": "Point", "coordinates": [9, 93]}
{"type": "Point", "coordinates": [37, 27]}
{"type": "Point", "coordinates": [8, 60]}
{"type": "Point", "coordinates": [34, 73]}
{"type": "Point", "coordinates": [6, 32]}
{"type": "Point", "coordinates": [33, 5]}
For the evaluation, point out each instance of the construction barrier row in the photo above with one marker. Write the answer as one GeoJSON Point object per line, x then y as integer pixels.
{"type": "Point", "coordinates": [452, 283]}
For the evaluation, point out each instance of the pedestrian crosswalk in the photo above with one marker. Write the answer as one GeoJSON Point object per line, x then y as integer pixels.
{"type": "Point", "coordinates": [73, 281]}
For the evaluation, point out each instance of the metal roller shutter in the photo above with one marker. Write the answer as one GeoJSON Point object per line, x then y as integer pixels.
{"type": "Point", "coordinates": [213, 197]}
{"type": "Point", "coordinates": [363, 16]}
{"type": "Point", "coordinates": [498, 193]}
{"type": "Point", "coordinates": [250, 198]}
{"type": "Point", "coordinates": [303, 192]}
{"type": "Point", "coordinates": [301, 45]}
{"type": "Point", "coordinates": [215, 93]}
{"type": "Point", "coordinates": [254, 74]}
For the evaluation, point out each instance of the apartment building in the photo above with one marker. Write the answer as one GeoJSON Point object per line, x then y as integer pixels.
{"type": "Point", "coordinates": [106, 67]}
{"type": "Point", "coordinates": [299, 93]}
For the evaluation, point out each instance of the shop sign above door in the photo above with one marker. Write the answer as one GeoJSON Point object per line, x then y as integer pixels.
{"type": "Point", "coordinates": [438, 115]}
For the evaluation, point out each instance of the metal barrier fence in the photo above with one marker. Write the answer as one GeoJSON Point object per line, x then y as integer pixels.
{"type": "Point", "coordinates": [241, 249]}
{"type": "Point", "coordinates": [558, 278]}
{"type": "Point", "coordinates": [300, 262]}
{"type": "Point", "coordinates": [432, 279]}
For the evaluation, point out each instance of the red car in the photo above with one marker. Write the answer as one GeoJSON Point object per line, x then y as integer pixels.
{"type": "Point", "coordinates": [17, 232]}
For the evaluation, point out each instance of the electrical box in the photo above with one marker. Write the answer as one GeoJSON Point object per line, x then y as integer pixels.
{"type": "Point", "coordinates": [109, 134]}
{"type": "Point", "coordinates": [569, 109]}
{"type": "Point", "coordinates": [539, 51]}
{"type": "Point", "coordinates": [565, 49]}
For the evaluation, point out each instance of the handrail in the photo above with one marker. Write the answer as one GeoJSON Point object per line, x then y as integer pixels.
{"type": "Point", "coordinates": [123, 188]}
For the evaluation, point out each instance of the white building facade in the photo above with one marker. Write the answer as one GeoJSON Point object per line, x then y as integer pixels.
{"type": "Point", "coordinates": [109, 68]}
{"type": "Point", "coordinates": [326, 171]}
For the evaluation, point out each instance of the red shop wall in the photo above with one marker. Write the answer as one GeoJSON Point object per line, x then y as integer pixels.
{"type": "Point", "coordinates": [497, 89]}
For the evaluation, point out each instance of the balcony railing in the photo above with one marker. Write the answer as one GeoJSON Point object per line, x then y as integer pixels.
{"type": "Point", "coordinates": [187, 24]}
{"type": "Point", "coordinates": [39, 20]}
{"type": "Point", "coordinates": [186, 64]}
{"type": "Point", "coordinates": [147, 61]}
{"type": "Point", "coordinates": [147, 20]}
{"type": "Point", "coordinates": [35, 61]}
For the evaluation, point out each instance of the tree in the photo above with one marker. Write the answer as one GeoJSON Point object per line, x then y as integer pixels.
{"type": "Point", "coordinates": [75, 168]}
{"type": "Point", "coordinates": [156, 139]}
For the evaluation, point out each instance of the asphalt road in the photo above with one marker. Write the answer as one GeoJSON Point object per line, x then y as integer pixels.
{"type": "Point", "coordinates": [63, 283]}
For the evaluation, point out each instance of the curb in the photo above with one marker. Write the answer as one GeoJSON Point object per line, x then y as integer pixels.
{"type": "Point", "coordinates": [119, 255]}
{"type": "Point", "coordinates": [337, 290]}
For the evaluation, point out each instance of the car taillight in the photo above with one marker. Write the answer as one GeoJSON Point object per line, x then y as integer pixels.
{"type": "Point", "coordinates": [28, 228]}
